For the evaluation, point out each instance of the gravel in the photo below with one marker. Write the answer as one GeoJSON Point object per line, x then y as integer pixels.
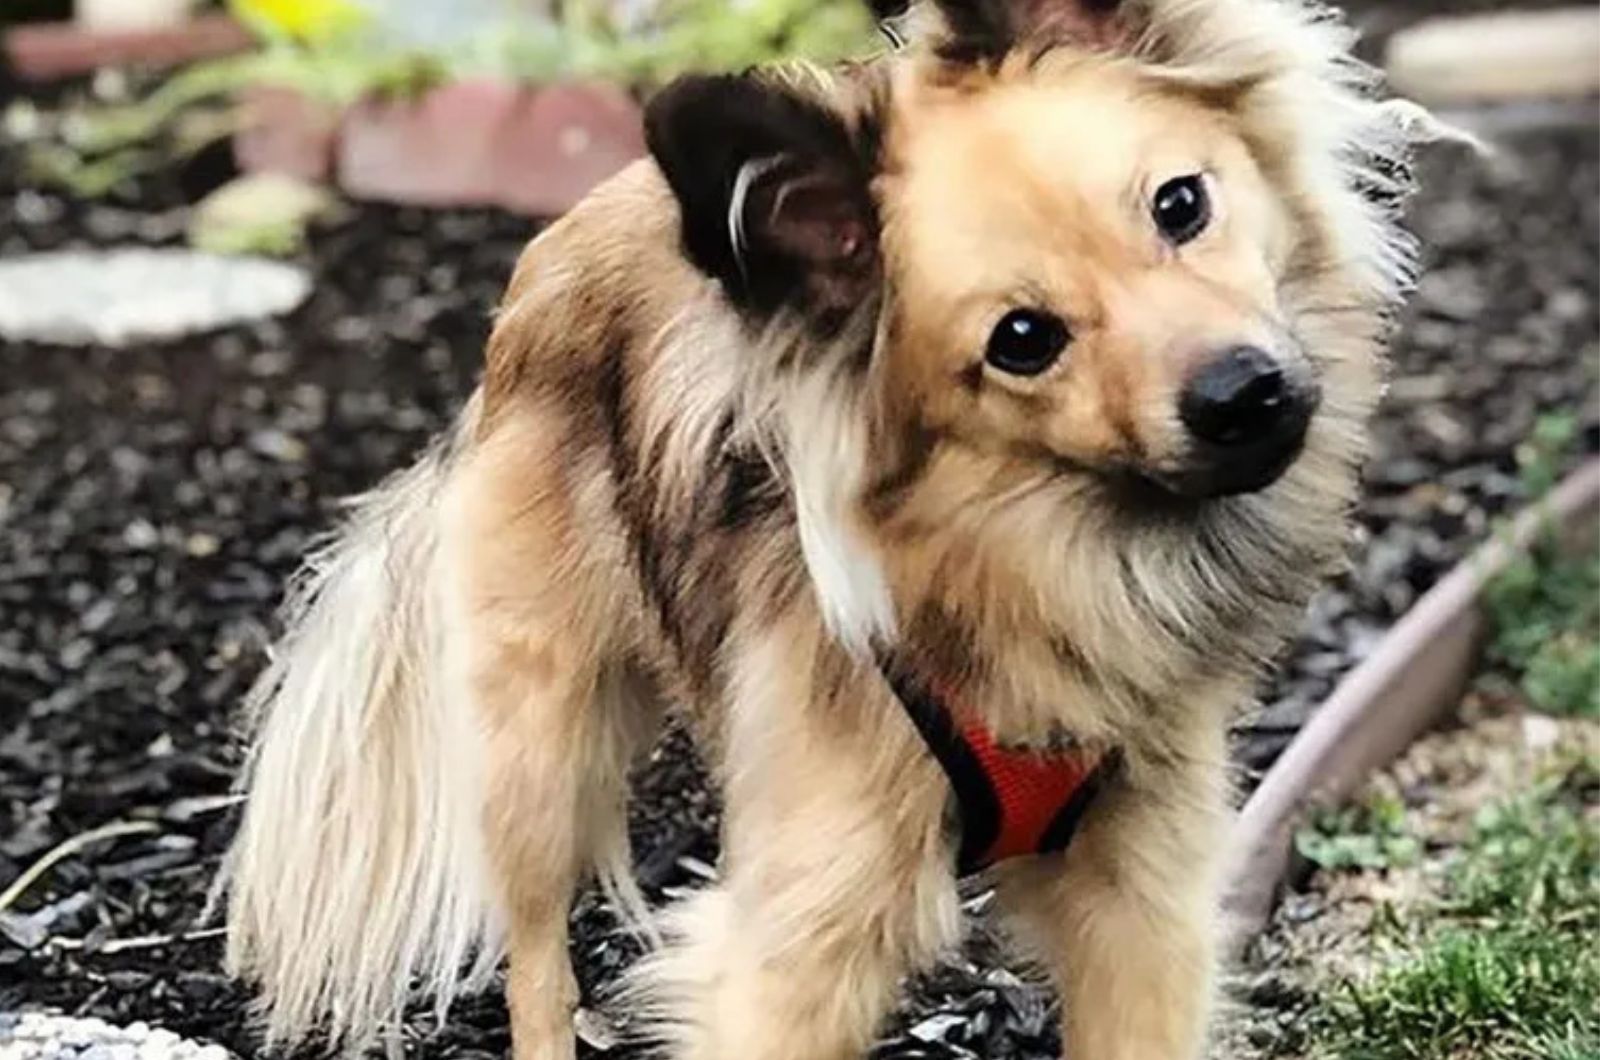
{"type": "Point", "coordinates": [154, 498]}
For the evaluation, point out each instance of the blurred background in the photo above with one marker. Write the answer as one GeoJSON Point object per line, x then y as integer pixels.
{"type": "Point", "coordinates": [248, 256]}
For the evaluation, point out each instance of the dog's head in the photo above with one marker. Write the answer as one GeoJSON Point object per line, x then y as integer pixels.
{"type": "Point", "coordinates": [1133, 248]}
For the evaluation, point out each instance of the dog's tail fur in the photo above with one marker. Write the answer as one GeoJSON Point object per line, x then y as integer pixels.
{"type": "Point", "coordinates": [356, 876]}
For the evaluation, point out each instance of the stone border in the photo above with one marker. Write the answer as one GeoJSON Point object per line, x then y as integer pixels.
{"type": "Point", "coordinates": [1413, 677]}
{"type": "Point", "coordinates": [534, 150]}
{"type": "Point", "coordinates": [530, 149]}
{"type": "Point", "coordinates": [51, 50]}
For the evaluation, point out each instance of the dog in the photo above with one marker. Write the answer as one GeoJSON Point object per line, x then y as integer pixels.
{"type": "Point", "coordinates": [953, 436]}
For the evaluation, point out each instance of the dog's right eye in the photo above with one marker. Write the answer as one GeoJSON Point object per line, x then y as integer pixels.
{"type": "Point", "coordinates": [1026, 342]}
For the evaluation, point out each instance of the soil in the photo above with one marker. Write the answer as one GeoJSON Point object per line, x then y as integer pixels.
{"type": "Point", "coordinates": [154, 501]}
{"type": "Point", "coordinates": [1321, 937]}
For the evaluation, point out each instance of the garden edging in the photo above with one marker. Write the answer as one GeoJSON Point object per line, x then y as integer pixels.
{"type": "Point", "coordinates": [531, 149]}
{"type": "Point", "coordinates": [54, 50]}
{"type": "Point", "coordinates": [1400, 690]}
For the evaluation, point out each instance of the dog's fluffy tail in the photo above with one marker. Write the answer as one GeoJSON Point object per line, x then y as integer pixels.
{"type": "Point", "coordinates": [356, 876]}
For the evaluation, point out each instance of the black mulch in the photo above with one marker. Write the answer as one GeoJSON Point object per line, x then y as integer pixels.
{"type": "Point", "coordinates": [153, 501]}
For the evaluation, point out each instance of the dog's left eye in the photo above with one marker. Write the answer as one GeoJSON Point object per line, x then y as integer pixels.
{"type": "Point", "coordinates": [1182, 209]}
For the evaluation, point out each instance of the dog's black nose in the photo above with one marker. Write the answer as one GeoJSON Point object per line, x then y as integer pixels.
{"type": "Point", "coordinates": [1240, 398]}
{"type": "Point", "coordinates": [1248, 416]}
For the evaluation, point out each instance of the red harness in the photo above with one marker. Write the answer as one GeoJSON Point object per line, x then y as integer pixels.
{"type": "Point", "coordinates": [1012, 803]}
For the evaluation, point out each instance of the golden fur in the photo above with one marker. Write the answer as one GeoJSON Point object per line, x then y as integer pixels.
{"type": "Point", "coordinates": [658, 499]}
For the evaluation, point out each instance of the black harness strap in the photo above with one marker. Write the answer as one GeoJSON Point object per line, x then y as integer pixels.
{"type": "Point", "coordinates": [998, 792]}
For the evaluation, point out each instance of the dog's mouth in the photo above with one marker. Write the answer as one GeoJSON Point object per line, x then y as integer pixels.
{"type": "Point", "coordinates": [1236, 472]}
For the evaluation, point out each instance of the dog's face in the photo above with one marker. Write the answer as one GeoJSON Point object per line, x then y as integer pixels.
{"type": "Point", "coordinates": [1101, 277]}
{"type": "Point", "coordinates": [1074, 258]}
{"type": "Point", "coordinates": [1085, 266]}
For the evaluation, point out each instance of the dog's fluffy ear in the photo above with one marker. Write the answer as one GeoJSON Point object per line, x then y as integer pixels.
{"type": "Point", "coordinates": [985, 30]}
{"type": "Point", "coordinates": [774, 193]}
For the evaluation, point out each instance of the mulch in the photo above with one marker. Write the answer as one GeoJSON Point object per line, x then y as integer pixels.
{"type": "Point", "coordinates": [154, 500]}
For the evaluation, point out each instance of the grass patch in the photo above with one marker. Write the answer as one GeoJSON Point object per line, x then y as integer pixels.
{"type": "Point", "coordinates": [1508, 968]}
{"type": "Point", "coordinates": [1537, 856]}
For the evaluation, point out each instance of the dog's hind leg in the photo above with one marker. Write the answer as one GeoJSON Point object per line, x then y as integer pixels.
{"type": "Point", "coordinates": [540, 651]}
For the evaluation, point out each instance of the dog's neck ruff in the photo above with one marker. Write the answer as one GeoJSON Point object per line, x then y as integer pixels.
{"type": "Point", "coordinates": [1011, 802]}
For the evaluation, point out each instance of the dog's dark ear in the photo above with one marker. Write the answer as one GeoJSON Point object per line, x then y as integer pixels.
{"type": "Point", "coordinates": [982, 30]}
{"type": "Point", "coordinates": [773, 189]}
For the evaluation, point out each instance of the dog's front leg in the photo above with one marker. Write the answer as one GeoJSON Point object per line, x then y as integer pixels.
{"type": "Point", "coordinates": [1125, 920]}
{"type": "Point", "coordinates": [838, 878]}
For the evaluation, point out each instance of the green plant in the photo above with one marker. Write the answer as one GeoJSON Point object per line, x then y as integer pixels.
{"type": "Point", "coordinates": [101, 147]}
{"type": "Point", "coordinates": [1544, 608]}
{"type": "Point", "coordinates": [333, 52]}
{"type": "Point", "coordinates": [716, 35]}
{"type": "Point", "coordinates": [1369, 835]}
{"type": "Point", "coordinates": [1539, 458]}
{"type": "Point", "coordinates": [676, 37]}
{"type": "Point", "coordinates": [93, 153]}
{"type": "Point", "coordinates": [1503, 994]}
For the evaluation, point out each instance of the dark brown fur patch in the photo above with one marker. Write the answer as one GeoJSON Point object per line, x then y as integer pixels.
{"type": "Point", "coordinates": [692, 550]}
{"type": "Point", "coordinates": [948, 645]}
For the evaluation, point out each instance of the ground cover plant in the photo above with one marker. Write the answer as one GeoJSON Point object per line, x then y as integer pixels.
{"type": "Point", "coordinates": [1545, 608]}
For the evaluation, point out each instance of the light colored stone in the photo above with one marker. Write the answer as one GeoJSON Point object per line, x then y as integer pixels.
{"type": "Point", "coordinates": [122, 296]}
{"type": "Point", "coordinates": [47, 1036]}
{"type": "Point", "coordinates": [1497, 57]}
{"type": "Point", "coordinates": [1539, 732]}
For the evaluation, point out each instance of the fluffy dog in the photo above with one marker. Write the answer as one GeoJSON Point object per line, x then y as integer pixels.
{"type": "Point", "coordinates": [1030, 362]}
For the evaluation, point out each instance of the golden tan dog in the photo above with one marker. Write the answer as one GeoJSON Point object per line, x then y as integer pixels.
{"type": "Point", "coordinates": [1036, 356]}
